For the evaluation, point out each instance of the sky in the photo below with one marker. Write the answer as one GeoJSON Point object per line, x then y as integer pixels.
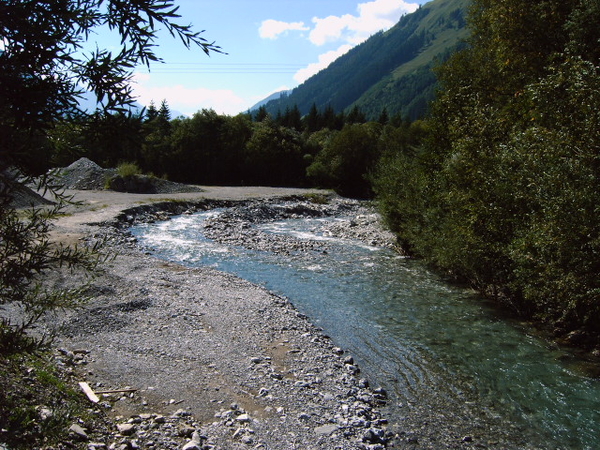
{"type": "Point", "coordinates": [270, 45]}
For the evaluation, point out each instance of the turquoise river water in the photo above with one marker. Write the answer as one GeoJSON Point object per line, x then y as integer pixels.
{"type": "Point", "coordinates": [411, 332]}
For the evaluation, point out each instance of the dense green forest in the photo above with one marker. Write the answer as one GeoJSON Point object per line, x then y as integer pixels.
{"type": "Point", "coordinates": [323, 148]}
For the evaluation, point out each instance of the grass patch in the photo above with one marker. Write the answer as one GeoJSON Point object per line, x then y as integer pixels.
{"type": "Point", "coordinates": [128, 170]}
{"type": "Point", "coordinates": [38, 402]}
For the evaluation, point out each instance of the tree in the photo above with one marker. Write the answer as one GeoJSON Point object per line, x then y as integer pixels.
{"type": "Point", "coordinates": [164, 115]}
{"type": "Point", "coordinates": [207, 148]}
{"type": "Point", "coordinates": [347, 159]}
{"type": "Point", "coordinates": [384, 117]}
{"type": "Point", "coordinates": [261, 114]}
{"type": "Point", "coordinates": [400, 182]}
{"type": "Point", "coordinates": [292, 118]}
{"type": "Point", "coordinates": [356, 116]}
{"type": "Point", "coordinates": [43, 71]}
{"type": "Point", "coordinates": [43, 68]}
{"type": "Point", "coordinates": [504, 191]}
{"type": "Point", "coordinates": [274, 156]}
{"type": "Point", "coordinates": [151, 112]}
{"type": "Point", "coordinates": [313, 119]}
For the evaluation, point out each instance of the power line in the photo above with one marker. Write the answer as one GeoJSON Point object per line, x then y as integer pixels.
{"type": "Point", "coordinates": [226, 68]}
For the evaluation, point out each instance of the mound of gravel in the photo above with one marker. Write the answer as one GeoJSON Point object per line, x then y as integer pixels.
{"type": "Point", "coordinates": [85, 174]}
{"type": "Point", "coordinates": [12, 184]}
{"type": "Point", "coordinates": [25, 197]}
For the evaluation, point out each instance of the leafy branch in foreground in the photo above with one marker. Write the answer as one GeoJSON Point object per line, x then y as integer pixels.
{"type": "Point", "coordinates": [27, 257]}
{"type": "Point", "coordinates": [45, 67]}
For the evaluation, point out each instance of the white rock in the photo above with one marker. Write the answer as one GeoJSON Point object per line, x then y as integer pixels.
{"type": "Point", "coordinates": [78, 431]}
{"type": "Point", "coordinates": [195, 443]}
{"type": "Point", "coordinates": [126, 429]}
{"type": "Point", "coordinates": [243, 418]}
{"type": "Point", "coordinates": [326, 429]}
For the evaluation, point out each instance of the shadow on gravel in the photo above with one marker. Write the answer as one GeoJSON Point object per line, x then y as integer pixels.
{"type": "Point", "coordinates": [105, 319]}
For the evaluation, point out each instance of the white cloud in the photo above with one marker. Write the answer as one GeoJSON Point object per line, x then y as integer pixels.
{"type": "Point", "coordinates": [330, 28]}
{"type": "Point", "coordinates": [372, 17]}
{"type": "Point", "coordinates": [324, 60]}
{"type": "Point", "coordinates": [187, 100]}
{"type": "Point", "coordinates": [271, 29]}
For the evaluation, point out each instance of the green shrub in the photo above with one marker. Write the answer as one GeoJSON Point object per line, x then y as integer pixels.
{"type": "Point", "coordinates": [128, 169]}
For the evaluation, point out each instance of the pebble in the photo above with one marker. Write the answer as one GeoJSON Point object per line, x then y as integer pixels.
{"type": "Point", "coordinates": [126, 429]}
{"type": "Point", "coordinates": [243, 418]}
{"type": "Point", "coordinates": [195, 443]}
{"type": "Point", "coordinates": [78, 432]}
{"type": "Point", "coordinates": [326, 429]}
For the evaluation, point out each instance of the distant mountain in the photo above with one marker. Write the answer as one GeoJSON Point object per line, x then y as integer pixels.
{"type": "Point", "coordinates": [274, 96]}
{"type": "Point", "coordinates": [88, 103]}
{"type": "Point", "coordinates": [391, 70]}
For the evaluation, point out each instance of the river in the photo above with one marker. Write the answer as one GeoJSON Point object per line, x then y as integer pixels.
{"type": "Point", "coordinates": [427, 342]}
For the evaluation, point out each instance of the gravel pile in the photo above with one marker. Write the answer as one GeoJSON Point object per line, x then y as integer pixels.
{"type": "Point", "coordinates": [85, 174]}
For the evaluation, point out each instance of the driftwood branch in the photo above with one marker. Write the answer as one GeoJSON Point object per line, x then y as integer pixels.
{"type": "Point", "coordinates": [116, 391]}
{"type": "Point", "coordinates": [93, 396]}
{"type": "Point", "coordinates": [89, 392]}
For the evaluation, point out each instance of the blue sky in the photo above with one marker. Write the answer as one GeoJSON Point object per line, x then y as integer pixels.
{"type": "Point", "coordinates": [271, 45]}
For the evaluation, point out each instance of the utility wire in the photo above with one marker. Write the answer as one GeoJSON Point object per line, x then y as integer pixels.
{"type": "Point", "coordinates": [232, 68]}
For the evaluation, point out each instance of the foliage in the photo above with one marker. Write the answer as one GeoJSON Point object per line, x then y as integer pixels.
{"type": "Point", "coordinates": [206, 149]}
{"type": "Point", "coordinates": [128, 170]}
{"type": "Point", "coordinates": [274, 155]}
{"type": "Point", "coordinates": [504, 191]}
{"type": "Point", "coordinates": [44, 68]}
{"type": "Point", "coordinates": [37, 405]}
{"type": "Point", "coordinates": [27, 255]}
{"type": "Point", "coordinates": [400, 182]}
{"type": "Point", "coordinates": [347, 159]}
{"type": "Point", "coordinates": [215, 149]}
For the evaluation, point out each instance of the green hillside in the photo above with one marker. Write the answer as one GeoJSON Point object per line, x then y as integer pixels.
{"type": "Point", "coordinates": [391, 70]}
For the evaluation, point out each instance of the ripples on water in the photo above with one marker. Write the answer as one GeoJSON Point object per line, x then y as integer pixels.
{"type": "Point", "coordinates": [409, 331]}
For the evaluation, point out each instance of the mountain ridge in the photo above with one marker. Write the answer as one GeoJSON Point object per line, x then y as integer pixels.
{"type": "Point", "coordinates": [391, 70]}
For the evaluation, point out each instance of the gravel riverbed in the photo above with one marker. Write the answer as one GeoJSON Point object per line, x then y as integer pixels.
{"type": "Point", "coordinates": [218, 362]}
{"type": "Point", "coordinates": [238, 364]}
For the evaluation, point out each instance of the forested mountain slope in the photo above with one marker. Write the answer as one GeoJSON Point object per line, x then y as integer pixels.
{"type": "Point", "coordinates": [391, 70]}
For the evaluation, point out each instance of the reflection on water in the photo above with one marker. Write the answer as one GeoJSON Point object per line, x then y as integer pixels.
{"type": "Point", "coordinates": [409, 331]}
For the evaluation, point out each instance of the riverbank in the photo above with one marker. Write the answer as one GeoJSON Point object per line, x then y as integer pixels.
{"type": "Point", "coordinates": [237, 363]}
{"type": "Point", "coordinates": [250, 370]}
